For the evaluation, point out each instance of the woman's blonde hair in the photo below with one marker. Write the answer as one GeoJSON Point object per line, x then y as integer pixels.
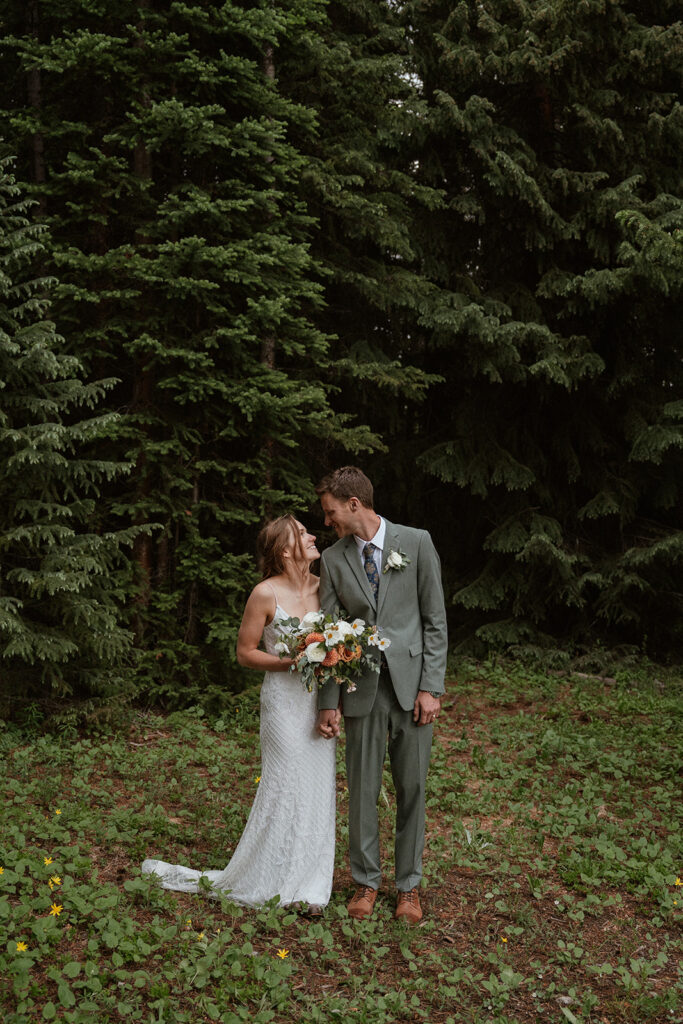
{"type": "Point", "coordinates": [275, 536]}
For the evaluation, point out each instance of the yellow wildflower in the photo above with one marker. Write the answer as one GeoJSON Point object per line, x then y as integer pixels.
{"type": "Point", "coordinates": [57, 810]}
{"type": "Point", "coordinates": [257, 779]}
{"type": "Point", "coordinates": [21, 947]}
{"type": "Point", "coordinates": [56, 909]}
{"type": "Point", "coordinates": [200, 936]}
{"type": "Point", "coordinates": [503, 939]}
{"type": "Point", "coordinates": [2, 871]}
{"type": "Point", "coordinates": [283, 953]}
{"type": "Point", "coordinates": [678, 882]}
{"type": "Point", "coordinates": [47, 860]}
{"type": "Point", "coordinates": [55, 879]}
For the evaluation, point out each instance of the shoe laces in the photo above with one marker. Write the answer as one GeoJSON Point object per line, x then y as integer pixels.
{"type": "Point", "coordinates": [362, 892]}
{"type": "Point", "coordinates": [409, 897]}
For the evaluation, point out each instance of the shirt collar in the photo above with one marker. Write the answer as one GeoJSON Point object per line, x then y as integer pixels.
{"type": "Point", "coordinates": [377, 540]}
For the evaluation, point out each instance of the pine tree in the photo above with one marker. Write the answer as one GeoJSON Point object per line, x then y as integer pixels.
{"type": "Point", "coordinates": [352, 70]}
{"type": "Point", "coordinates": [174, 195]}
{"type": "Point", "coordinates": [278, 223]}
{"type": "Point", "coordinates": [550, 130]}
{"type": "Point", "coordinates": [60, 581]}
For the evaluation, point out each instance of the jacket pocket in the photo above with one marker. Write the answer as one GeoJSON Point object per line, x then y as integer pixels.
{"type": "Point", "coordinates": [415, 649]}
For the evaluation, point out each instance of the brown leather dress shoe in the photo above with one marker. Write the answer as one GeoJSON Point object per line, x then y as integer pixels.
{"type": "Point", "coordinates": [408, 906]}
{"type": "Point", "coordinates": [362, 902]}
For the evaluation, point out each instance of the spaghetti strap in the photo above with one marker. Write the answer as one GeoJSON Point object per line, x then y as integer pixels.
{"type": "Point", "coordinates": [274, 592]}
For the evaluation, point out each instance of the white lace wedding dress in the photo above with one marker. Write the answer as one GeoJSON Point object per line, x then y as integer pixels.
{"type": "Point", "coordinates": [287, 847]}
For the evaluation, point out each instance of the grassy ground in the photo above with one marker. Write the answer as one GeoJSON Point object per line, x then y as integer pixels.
{"type": "Point", "coordinates": [551, 871]}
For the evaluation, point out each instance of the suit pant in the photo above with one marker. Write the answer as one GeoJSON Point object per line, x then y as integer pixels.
{"type": "Point", "coordinates": [367, 737]}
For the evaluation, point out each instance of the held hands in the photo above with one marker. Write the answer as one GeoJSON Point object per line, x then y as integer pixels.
{"type": "Point", "coordinates": [426, 708]}
{"type": "Point", "coordinates": [425, 712]}
{"type": "Point", "coordinates": [328, 722]}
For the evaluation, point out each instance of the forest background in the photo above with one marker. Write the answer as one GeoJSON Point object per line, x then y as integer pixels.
{"type": "Point", "coordinates": [243, 243]}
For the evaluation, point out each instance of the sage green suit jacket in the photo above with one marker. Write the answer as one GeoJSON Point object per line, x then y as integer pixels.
{"type": "Point", "coordinates": [409, 611]}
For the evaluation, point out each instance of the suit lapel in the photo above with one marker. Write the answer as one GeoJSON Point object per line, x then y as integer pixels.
{"type": "Point", "coordinates": [353, 558]}
{"type": "Point", "coordinates": [390, 544]}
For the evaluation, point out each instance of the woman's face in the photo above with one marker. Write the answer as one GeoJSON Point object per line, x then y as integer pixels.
{"type": "Point", "coordinates": [302, 544]}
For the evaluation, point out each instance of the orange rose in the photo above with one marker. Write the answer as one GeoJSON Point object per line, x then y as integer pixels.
{"type": "Point", "coordinates": [331, 658]}
{"type": "Point", "coordinates": [346, 654]}
{"type": "Point", "coordinates": [313, 638]}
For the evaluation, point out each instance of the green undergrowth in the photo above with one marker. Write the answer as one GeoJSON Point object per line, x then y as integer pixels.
{"type": "Point", "coordinates": [552, 870]}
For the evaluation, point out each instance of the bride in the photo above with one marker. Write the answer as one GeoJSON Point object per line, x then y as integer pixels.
{"type": "Point", "coordinates": [287, 847]}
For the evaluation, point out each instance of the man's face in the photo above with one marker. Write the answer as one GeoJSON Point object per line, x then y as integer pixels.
{"type": "Point", "coordinates": [340, 515]}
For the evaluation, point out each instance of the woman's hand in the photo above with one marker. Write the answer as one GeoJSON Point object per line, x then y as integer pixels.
{"type": "Point", "coordinates": [328, 722]}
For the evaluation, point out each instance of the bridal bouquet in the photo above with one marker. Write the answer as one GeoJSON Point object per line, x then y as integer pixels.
{"type": "Point", "coordinates": [325, 648]}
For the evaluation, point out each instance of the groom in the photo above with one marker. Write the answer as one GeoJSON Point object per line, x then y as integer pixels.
{"type": "Point", "coordinates": [389, 575]}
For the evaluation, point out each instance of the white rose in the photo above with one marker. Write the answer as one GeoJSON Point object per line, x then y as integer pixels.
{"type": "Point", "coordinates": [315, 652]}
{"type": "Point", "coordinates": [394, 561]}
{"type": "Point", "coordinates": [311, 618]}
{"type": "Point", "coordinates": [281, 647]}
{"type": "Point", "coordinates": [344, 628]}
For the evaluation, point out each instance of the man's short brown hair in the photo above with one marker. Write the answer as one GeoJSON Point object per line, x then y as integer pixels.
{"type": "Point", "coordinates": [347, 482]}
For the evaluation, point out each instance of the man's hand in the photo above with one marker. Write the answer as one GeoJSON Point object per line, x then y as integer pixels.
{"type": "Point", "coordinates": [328, 722]}
{"type": "Point", "coordinates": [426, 708]}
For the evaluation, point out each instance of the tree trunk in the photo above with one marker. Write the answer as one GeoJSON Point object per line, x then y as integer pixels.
{"type": "Point", "coordinates": [142, 550]}
{"type": "Point", "coordinates": [143, 385]}
{"type": "Point", "coordinates": [193, 598]}
{"type": "Point", "coordinates": [268, 345]}
{"type": "Point", "coordinates": [34, 87]}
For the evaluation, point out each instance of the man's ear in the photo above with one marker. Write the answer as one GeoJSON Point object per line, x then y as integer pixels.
{"type": "Point", "coordinates": [354, 504]}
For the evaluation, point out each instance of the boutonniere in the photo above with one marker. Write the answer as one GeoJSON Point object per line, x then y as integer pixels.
{"type": "Point", "coordinates": [396, 560]}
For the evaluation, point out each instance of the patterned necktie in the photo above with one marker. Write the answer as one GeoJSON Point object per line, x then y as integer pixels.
{"type": "Point", "coordinates": [370, 568]}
